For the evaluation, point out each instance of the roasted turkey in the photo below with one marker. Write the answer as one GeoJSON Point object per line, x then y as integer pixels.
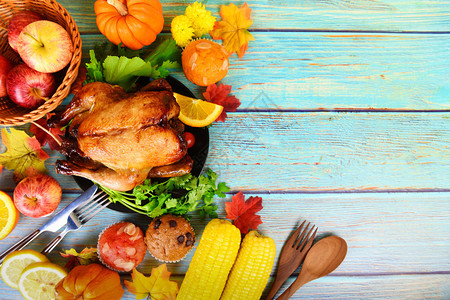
{"type": "Point", "coordinates": [119, 139]}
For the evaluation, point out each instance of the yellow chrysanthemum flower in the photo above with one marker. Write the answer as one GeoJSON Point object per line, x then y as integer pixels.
{"type": "Point", "coordinates": [202, 20]}
{"type": "Point", "coordinates": [182, 30]}
{"type": "Point", "coordinates": [195, 10]}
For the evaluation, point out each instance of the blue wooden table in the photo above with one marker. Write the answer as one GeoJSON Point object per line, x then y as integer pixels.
{"type": "Point", "coordinates": [344, 122]}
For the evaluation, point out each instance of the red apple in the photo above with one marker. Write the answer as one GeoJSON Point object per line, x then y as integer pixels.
{"type": "Point", "coordinates": [37, 196]}
{"type": "Point", "coordinates": [29, 88]}
{"type": "Point", "coordinates": [5, 66]}
{"type": "Point", "coordinates": [18, 22]}
{"type": "Point", "coordinates": [45, 46]}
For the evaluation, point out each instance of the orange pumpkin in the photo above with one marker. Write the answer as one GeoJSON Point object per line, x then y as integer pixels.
{"type": "Point", "coordinates": [90, 282]}
{"type": "Point", "coordinates": [135, 23]}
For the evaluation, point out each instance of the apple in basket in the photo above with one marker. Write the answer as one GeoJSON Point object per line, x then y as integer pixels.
{"type": "Point", "coordinates": [45, 46]}
{"type": "Point", "coordinates": [29, 88]}
{"type": "Point", "coordinates": [37, 196]}
{"type": "Point", "coordinates": [5, 66]}
{"type": "Point", "coordinates": [18, 22]}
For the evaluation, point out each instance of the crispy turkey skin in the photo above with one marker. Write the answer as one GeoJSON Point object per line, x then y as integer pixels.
{"type": "Point", "coordinates": [117, 138]}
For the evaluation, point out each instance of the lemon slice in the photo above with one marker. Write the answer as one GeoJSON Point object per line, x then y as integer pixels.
{"type": "Point", "coordinates": [38, 280]}
{"type": "Point", "coordinates": [16, 262]}
{"type": "Point", "coordinates": [9, 215]}
{"type": "Point", "coordinates": [196, 112]}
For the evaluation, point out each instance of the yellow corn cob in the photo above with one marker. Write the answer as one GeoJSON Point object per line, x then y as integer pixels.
{"type": "Point", "coordinates": [252, 268]}
{"type": "Point", "coordinates": [212, 262]}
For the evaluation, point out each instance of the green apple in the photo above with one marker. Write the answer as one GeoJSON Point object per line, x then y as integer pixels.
{"type": "Point", "coordinates": [45, 46]}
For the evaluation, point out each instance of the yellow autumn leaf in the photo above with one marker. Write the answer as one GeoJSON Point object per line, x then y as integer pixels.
{"type": "Point", "coordinates": [157, 286]}
{"type": "Point", "coordinates": [87, 256]}
{"type": "Point", "coordinates": [23, 154]}
{"type": "Point", "coordinates": [233, 29]}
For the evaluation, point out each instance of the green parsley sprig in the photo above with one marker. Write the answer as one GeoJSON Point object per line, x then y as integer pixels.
{"type": "Point", "coordinates": [177, 195]}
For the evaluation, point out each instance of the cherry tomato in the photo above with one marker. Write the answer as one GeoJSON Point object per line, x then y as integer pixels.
{"type": "Point", "coordinates": [190, 139]}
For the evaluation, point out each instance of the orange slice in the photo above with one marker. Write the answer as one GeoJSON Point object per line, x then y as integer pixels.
{"type": "Point", "coordinates": [9, 215]}
{"type": "Point", "coordinates": [196, 112]}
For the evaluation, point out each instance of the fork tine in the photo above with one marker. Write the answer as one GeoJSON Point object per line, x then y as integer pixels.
{"type": "Point", "coordinates": [301, 237]}
{"type": "Point", "coordinates": [95, 209]}
{"type": "Point", "coordinates": [90, 206]}
{"type": "Point", "coordinates": [94, 213]}
{"type": "Point", "coordinates": [291, 241]}
{"type": "Point", "coordinates": [91, 202]}
{"type": "Point", "coordinates": [79, 217]}
{"type": "Point", "coordinates": [308, 240]}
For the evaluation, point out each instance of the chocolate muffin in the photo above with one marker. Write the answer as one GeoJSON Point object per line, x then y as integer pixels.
{"type": "Point", "coordinates": [169, 238]}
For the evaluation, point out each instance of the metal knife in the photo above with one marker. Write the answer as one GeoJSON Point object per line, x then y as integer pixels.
{"type": "Point", "coordinates": [58, 221]}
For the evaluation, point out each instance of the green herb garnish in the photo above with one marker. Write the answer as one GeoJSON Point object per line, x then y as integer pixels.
{"type": "Point", "coordinates": [94, 69]}
{"type": "Point", "coordinates": [123, 67]}
{"type": "Point", "coordinates": [177, 195]}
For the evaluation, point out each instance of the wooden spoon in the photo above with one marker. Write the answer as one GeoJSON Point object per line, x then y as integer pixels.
{"type": "Point", "coordinates": [322, 259]}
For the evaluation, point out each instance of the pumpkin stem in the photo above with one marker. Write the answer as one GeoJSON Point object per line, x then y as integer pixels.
{"type": "Point", "coordinates": [119, 6]}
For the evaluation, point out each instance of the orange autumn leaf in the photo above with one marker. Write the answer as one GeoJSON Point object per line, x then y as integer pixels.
{"type": "Point", "coordinates": [156, 287]}
{"type": "Point", "coordinates": [233, 29]}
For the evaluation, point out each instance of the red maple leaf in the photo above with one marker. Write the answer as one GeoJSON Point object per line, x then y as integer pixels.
{"type": "Point", "coordinates": [243, 213]}
{"type": "Point", "coordinates": [43, 137]}
{"type": "Point", "coordinates": [219, 95]}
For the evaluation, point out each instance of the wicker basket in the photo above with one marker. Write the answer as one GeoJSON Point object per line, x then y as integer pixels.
{"type": "Point", "coordinates": [10, 113]}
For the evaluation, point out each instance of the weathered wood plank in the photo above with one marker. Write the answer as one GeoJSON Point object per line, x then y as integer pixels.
{"type": "Point", "coordinates": [340, 287]}
{"type": "Point", "coordinates": [325, 151]}
{"type": "Point", "coordinates": [302, 71]}
{"type": "Point", "coordinates": [378, 287]}
{"type": "Point", "coordinates": [380, 229]}
{"type": "Point", "coordinates": [332, 151]}
{"type": "Point", "coordinates": [386, 15]}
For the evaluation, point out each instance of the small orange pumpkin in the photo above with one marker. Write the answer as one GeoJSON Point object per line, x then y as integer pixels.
{"type": "Point", "coordinates": [90, 282]}
{"type": "Point", "coordinates": [135, 23]}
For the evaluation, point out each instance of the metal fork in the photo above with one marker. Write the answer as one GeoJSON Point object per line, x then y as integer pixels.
{"type": "Point", "coordinates": [79, 217]}
{"type": "Point", "coordinates": [292, 255]}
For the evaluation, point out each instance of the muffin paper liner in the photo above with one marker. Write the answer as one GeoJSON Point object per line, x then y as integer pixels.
{"type": "Point", "coordinates": [98, 250]}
